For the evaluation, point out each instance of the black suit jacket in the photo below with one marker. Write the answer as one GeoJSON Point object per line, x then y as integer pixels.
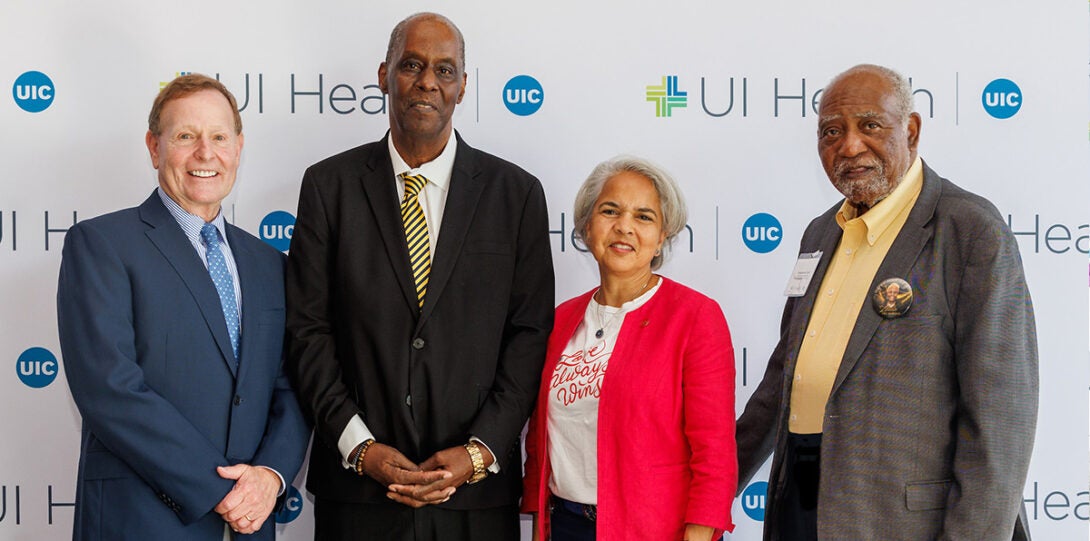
{"type": "Point", "coordinates": [467, 364]}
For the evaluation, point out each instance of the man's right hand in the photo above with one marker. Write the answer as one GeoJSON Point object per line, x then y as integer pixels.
{"type": "Point", "coordinates": [389, 467]}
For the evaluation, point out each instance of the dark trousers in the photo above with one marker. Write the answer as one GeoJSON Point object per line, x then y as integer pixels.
{"type": "Point", "coordinates": [569, 524]}
{"type": "Point", "coordinates": [797, 516]}
{"type": "Point", "coordinates": [335, 521]}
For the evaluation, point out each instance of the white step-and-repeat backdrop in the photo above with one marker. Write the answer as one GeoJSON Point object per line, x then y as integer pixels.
{"type": "Point", "coordinates": [723, 94]}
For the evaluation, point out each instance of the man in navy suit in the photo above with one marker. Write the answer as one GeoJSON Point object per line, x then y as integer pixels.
{"type": "Point", "coordinates": [172, 330]}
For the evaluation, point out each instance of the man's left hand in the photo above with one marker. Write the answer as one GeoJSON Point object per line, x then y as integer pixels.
{"type": "Point", "coordinates": [455, 460]}
{"type": "Point", "coordinates": [252, 498]}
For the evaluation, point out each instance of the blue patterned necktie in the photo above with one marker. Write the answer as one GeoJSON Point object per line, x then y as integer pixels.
{"type": "Point", "coordinates": [225, 286]}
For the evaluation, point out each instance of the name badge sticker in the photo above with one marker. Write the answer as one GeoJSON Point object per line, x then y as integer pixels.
{"type": "Point", "coordinates": [802, 274]}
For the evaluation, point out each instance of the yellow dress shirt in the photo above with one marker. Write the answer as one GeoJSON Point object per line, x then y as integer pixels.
{"type": "Point", "coordinates": [845, 288]}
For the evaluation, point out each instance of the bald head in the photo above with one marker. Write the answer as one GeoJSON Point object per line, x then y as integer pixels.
{"type": "Point", "coordinates": [899, 88]}
{"type": "Point", "coordinates": [397, 36]}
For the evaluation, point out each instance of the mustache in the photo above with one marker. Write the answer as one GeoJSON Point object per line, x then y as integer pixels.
{"type": "Point", "coordinates": [841, 168]}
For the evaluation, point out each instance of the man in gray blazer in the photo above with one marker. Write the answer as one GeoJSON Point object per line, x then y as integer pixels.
{"type": "Point", "coordinates": [901, 400]}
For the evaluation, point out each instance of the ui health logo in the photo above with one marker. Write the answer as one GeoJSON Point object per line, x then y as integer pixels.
{"type": "Point", "coordinates": [1002, 98]}
{"type": "Point", "coordinates": [33, 91]}
{"type": "Point", "coordinates": [762, 233]}
{"type": "Point", "coordinates": [163, 84]}
{"type": "Point", "coordinates": [36, 367]}
{"type": "Point", "coordinates": [667, 97]}
{"type": "Point", "coordinates": [754, 499]}
{"type": "Point", "coordinates": [523, 95]}
{"type": "Point", "coordinates": [276, 229]}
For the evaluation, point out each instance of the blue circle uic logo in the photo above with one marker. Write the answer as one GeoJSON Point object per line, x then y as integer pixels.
{"type": "Point", "coordinates": [523, 95]}
{"type": "Point", "coordinates": [762, 233]}
{"type": "Point", "coordinates": [293, 505]}
{"type": "Point", "coordinates": [33, 92]}
{"type": "Point", "coordinates": [276, 229]}
{"type": "Point", "coordinates": [753, 500]}
{"type": "Point", "coordinates": [1002, 98]}
{"type": "Point", "coordinates": [36, 367]}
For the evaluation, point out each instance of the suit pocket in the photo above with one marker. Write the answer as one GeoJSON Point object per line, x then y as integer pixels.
{"type": "Point", "coordinates": [487, 247]}
{"type": "Point", "coordinates": [102, 464]}
{"type": "Point", "coordinates": [927, 495]}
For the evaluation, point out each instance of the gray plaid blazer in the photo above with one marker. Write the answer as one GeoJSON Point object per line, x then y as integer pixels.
{"type": "Point", "coordinates": [930, 423]}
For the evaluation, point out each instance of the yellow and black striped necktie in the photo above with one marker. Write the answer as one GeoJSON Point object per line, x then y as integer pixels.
{"type": "Point", "coordinates": [416, 232]}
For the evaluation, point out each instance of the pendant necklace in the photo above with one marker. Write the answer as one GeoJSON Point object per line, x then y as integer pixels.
{"type": "Point", "coordinates": [602, 325]}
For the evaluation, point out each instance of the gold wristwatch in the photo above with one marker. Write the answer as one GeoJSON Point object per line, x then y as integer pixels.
{"type": "Point", "coordinates": [479, 471]}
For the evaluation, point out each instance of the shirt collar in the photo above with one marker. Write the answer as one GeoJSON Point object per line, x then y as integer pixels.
{"type": "Point", "coordinates": [191, 224]}
{"type": "Point", "coordinates": [437, 171]}
{"type": "Point", "coordinates": [878, 219]}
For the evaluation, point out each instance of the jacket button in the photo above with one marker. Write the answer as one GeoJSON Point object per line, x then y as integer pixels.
{"type": "Point", "coordinates": [418, 343]}
{"type": "Point", "coordinates": [409, 400]}
{"type": "Point", "coordinates": [238, 400]}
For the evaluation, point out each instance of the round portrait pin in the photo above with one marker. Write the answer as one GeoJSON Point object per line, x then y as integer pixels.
{"type": "Point", "coordinates": [892, 298]}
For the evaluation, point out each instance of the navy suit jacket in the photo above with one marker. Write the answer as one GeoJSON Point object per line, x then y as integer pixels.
{"type": "Point", "coordinates": [150, 366]}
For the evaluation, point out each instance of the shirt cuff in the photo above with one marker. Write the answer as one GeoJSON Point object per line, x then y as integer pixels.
{"type": "Point", "coordinates": [354, 434]}
{"type": "Point", "coordinates": [283, 485]}
{"type": "Point", "coordinates": [495, 467]}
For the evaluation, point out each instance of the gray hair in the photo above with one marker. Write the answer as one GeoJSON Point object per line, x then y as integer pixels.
{"type": "Point", "coordinates": [674, 213]}
{"type": "Point", "coordinates": [902, 90]}
{"type": "Point", "coordinates": [397, 36]}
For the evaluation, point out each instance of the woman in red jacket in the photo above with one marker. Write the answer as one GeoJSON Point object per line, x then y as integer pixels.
{"type": "Point", "coordinates": [633, 433]}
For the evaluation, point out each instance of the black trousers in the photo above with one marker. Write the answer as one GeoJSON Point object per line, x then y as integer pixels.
{"type": "Point", "coordinates": [567, 524]}
{"type": "Point", "coordinates": [797, 516]}
{"type": "Point", "coordinates": [392, 521]}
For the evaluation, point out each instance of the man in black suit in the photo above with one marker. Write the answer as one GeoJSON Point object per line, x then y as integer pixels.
{"type": "Point", "coordinates": [417, 354]}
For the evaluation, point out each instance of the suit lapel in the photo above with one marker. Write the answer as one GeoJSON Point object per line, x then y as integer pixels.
{"type": "Point", "coordinates": [247, 277]}
{"type": "Point", "coordinates": [167, 236]}
{"type": "Point", "coordinates": [379, 189]}
{"type": "Point", "coordinates": [902, 255]}
{"type": "Point", "coordinates": [466, 184]}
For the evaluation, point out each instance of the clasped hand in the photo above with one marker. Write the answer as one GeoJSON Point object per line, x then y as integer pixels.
{"type": "Point", "coordinates": [249, 503]}
{"type": "Point", "coordinates": [431, 482]}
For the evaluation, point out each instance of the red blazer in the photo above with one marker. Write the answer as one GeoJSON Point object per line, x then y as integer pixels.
{"type": "Point", "coordinates": [666, 450]}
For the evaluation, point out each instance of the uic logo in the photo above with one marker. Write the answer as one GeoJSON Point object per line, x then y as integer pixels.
{"type": "Point", "coordinates": [277, 228]}
{"type": "Point", "coordinates": [293, 505]}
{"type": "Point", "coordinates": [762, 233]}
{"type": "Point", "coordinates": [523, 95]}
{"type": "Point", "coordinates": [1002, 98]}
{"type": "Point", "coordinates": [753, 500]}
{"type": "Point", "coordinates": [33, 91]}
{"type": "Point", "coordinates": [36, 367]}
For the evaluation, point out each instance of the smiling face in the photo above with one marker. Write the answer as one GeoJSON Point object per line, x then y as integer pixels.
{"type": "Point", "coordinates": [625, 230]}
{"type": "Point", "coordinates": [425, 79]}
{"type": "Point", "coordinates": [197, 151]}
{"type": "Point", "coordinates": [865, 142]}
{"type": "Point", "coordinates": [892, 291]}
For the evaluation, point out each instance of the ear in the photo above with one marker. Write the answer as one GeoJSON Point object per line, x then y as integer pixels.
{"type": "Point", "coordinates": [914, 123]}
{"type": "Point", "coordinates": [382, 78]}
{"type": "Point", "coordinates": [153, 148]}
{"type": "Point", "coordinates": [462, 91]}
